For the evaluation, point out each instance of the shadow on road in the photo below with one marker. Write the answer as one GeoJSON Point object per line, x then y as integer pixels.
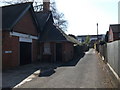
{"type": "Point", "coordinates": [48, 71]}
{"type": "Point", "coordinates": [12, 77]}
{"type": "Point", "coordinates": [74, 61]}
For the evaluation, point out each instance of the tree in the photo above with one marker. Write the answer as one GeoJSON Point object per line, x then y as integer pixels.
{"type": "Point", "coordinates": [87, 40]}
{"type": "Point", "coordinates": [59, 19]}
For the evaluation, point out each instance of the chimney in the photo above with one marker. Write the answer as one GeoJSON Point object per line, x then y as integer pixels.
{"type": "Point", "coordinates": [46, 5]}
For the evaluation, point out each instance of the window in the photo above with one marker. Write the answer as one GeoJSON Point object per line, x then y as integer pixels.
{"type": "Point", "coordinates": [47, 48]}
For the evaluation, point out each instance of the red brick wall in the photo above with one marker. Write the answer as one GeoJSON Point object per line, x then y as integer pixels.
{"type": "Point", "coordinates": [68, 51]}
{"type": "Point", "coordinates": [10, 44]}
{"type": "Point", "coordinates": [47, 58]}
{"type": "Point", "coordinates": [26, 25]}
{"type": "Point", "coordinates": [52, 57]}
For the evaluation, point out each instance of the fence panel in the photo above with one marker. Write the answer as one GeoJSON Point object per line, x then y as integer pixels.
{"type": "Point", "coordinates": [116, 56]}
{"type": "Point", "coordinates": [113, 55]}
{"type": "Point", "coordinates": [119, 58]}
{"type": "Point", "coordinates": [110, 51]}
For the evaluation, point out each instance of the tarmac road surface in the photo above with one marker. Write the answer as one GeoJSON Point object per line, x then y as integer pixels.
{"type": "Point", "coordinates": [89, 72]}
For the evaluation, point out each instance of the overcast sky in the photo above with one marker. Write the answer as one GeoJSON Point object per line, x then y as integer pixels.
{"type": "Point", "coordinates": [82, 15]}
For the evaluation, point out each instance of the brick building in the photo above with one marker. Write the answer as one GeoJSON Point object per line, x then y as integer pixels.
{"type": "Point", "coordinates": [114, 32]}
{"type": "Point", "coordinates": [28, 36]}
{"type": "Point", "coordinates": [55, 45]}
{"type": "Point", "coordinates": [19, 35]}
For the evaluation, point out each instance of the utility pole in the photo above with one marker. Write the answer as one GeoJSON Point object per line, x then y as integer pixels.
{"type": "Point", "coordinates": [97, 31]}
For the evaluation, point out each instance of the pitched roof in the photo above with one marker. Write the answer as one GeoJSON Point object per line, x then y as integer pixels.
{"type": "Point", "coordinates": [42, 18]}
{"type": "Point", "coordinates": [115, 27]}
{"type": "Point", "coordinates": [11, 14]}
{"type": "Point", "coordinates": [54, 34]}
{"type": "Point", "coordinates": [50, 33]}
{"type": "Point", "coordinates": [69, 38]}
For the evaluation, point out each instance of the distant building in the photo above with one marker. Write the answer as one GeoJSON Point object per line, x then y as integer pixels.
{"type": "Point", "coordinates": [114, 32]}
{"type": "Point", "coordinates": [93, 39]}
{"type": "Point", "coordinates": [82, 38]}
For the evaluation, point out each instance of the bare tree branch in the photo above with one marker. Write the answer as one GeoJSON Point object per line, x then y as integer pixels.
{"type": "Point", "coordinates": [38, 6]}
{"type": "Point", "coordinates": [59, 18]}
